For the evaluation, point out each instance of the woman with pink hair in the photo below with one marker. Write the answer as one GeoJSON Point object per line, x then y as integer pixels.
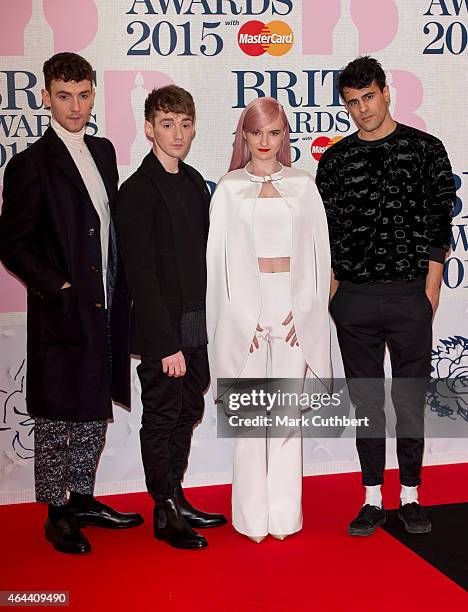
{"type": "Point", "coordinates": [268, 266]}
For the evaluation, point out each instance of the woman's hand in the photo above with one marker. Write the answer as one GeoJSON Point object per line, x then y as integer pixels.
{"type": "Point", "coordinates": [255, 344]}
{"type": "Point", "coordinates": [291, 337]}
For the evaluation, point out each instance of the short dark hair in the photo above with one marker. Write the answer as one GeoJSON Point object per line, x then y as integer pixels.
{"type": "Point", "coordinates": [360, 73]}
{"type": "Point", "coordinates": [67, 67]}
{"type": "Point", "coordinates": [170, 99]}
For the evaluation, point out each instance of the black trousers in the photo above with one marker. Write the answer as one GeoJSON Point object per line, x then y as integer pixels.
{"type": "Point", "coordinates": [171, 409]}
{"type": "Point", "coordinates": [368, 318]}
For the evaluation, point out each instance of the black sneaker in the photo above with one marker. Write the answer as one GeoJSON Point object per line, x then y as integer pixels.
{"type": "Point", "coordinates": [415, 518]}
{"type": "Point", "coordinates": [367, 521]}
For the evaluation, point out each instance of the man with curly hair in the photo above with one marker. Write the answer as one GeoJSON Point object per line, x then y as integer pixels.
{"type": "Point", "coordinates": [57, 236]}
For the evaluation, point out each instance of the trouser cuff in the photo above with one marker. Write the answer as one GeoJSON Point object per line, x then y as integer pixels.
{"type": "Point", "coordinates": [408, 482]}
{"type": "Point", "coordinates": [372, 482]}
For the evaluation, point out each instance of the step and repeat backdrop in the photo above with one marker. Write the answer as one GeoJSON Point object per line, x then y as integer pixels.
{"type": "Point", "coordinates": [211, 48]}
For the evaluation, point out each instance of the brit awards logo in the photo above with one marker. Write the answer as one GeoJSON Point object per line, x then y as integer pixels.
{"type": "Point", "coordinates": [348, 24]}
{"type": "Point", "coordinates": [125, 95]}
{"type": "Point", "coordinates": [36, 30]}
{"type": "Point", "coordinates": [406, 95]}
{"type": "Point", "coordinates": [47, 24]}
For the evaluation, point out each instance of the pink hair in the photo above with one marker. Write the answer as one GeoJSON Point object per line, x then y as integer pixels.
{"type": "Point", "coordinates": [256, 116]}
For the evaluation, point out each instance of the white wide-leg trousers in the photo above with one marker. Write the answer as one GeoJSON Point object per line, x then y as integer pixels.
{"type": "Point", "coordinates": [267, 473]}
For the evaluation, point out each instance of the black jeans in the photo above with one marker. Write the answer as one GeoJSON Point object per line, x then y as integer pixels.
{"type": "Point", "coordinates": [368, 318]}
{"type": "Point", "coordinates": [171, 409]}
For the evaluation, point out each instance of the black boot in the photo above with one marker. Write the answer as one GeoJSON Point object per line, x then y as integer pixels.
{"type": "Point", "coordinates": [171, 527]}
{"type": "Point", "coordinates": [196, 518]}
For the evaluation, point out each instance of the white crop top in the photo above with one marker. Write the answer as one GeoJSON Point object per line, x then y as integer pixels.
{"type": "Point", "coordinates": [272, 228]}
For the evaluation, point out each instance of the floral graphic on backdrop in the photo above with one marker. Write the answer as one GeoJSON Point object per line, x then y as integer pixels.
{"type": "Point", "coordinates": [14, 420]}
{"type": "Point", "coordinates": [448, 392]}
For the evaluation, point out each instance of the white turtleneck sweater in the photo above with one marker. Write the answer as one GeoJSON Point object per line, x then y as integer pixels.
{"type": "Point", "coordinates": [74, 141]}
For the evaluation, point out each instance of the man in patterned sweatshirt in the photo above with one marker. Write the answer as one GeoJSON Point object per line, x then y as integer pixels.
{"type": "Point", "coordinates": [388, 191]}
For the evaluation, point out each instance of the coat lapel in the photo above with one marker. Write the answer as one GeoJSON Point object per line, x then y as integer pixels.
{"type": "Point", "coordinates": [63, 159]}
{"type": "Point", "coordinates": [202, 190]}
{"type": "Point", "coordinates": [103, 167]}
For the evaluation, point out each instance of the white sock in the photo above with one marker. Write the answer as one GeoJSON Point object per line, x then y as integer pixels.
{"type": "Point", "coordinates": [374, 496]}
{"type": "Point", "coordinates": [408, 495]}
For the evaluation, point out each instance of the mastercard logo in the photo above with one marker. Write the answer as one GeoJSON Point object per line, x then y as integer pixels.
{"type": "Point", "coordinates": [321, 144]}
{"type": "Point", "coordinates": [256, 38]}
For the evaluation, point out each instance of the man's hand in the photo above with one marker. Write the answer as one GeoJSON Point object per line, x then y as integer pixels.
{"type": "Point", "coordinates": [433, 297]}
{"type": "Point", "coordinates": [174, 365]}
{"type": "Point", "coordinates": [334, 284]}
{"type": "Point", "coordinates": [65, 285]}
{"type": "Point", "coordinates": [433, 282]}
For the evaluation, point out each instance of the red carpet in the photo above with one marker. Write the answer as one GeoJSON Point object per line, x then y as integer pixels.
{"type": "Point", "coordinates": [321, 568]}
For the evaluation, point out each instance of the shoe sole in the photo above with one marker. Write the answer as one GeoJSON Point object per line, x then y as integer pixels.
{"type": "Point", "coordinates": [195, 526]}
{"type": "Point", "coordinates": [410, 529]}
{"type": "Point", "coordinates": [366, 532]}
{"type": "Point", "coordinates": [105, 525]}
{"type": "Point", "coordinates": [194, 546]}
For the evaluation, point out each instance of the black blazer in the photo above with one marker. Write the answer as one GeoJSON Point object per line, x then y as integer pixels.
{"type": "Point", "coordinates": [155, 272]}
{"type": "Point", "coordinates": [49, 234]}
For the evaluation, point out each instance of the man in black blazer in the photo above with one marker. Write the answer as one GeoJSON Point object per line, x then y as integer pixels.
{"type": "Point", "coordinates": [162, 221]}
{"type": "Point", "coordinates": [57, 236]}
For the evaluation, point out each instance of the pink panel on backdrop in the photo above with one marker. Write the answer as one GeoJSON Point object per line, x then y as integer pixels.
{"type": "Point", "coordinates": [12, 292]}
{"type": "Point", "coordinates": [14, 19]}
{"type": "Point", "coordinates": [409, 93]}
{"type": "Point", "coordinates": [375, 33]}
{"type": "Point", "coordinates": [75, 24]}
{"type": "Point", "coordinates": [120, 118]}
{"type": "Point", "coordinates": [318, 22]}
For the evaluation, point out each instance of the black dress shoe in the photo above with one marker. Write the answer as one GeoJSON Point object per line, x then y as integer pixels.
{"type": "Point", "coordinates": [415, 518]}
{"type": "Point", "coordinates": [65, 535]}
{"type": "Point", "coordinates": [197, 518]}
{"type": "Point", "coordinates": [98, 514]}
{"type": "Point", "coordinates": [170, 526]}
{"type": "Point", "coordinates": [367, 521]}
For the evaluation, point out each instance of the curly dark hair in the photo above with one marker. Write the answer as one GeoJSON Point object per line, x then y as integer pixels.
{"type": "Point", "coordinates": [360, 73]}
{"type": "Point", "coordinates": [67, 67]}
{"type": "Point", "coordinates": [170, 99]}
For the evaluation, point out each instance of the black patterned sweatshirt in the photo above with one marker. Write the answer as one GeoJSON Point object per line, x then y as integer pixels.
{"type": "Point", "coordinates": [389, 205]}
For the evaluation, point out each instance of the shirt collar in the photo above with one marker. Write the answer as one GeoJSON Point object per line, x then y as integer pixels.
{"type": "Point", "coordinates": [72, 140]}
{"type": "Point", "coordinates": [276, 176]}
